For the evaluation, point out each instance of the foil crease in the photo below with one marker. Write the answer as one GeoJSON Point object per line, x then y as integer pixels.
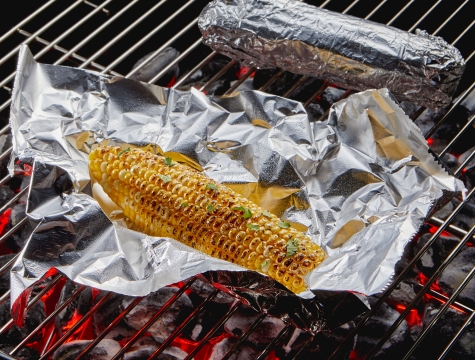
{"type": "Point", "coordinates": [360, 184]}
{"type": "Point", "coordinates": [345, 50]}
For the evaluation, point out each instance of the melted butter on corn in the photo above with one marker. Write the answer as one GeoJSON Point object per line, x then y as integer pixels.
{"type": "Point", "coordinates": [164, 198]}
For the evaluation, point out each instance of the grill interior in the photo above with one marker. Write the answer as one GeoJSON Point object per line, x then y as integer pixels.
{"type": "Point", "coordinates": [110, 37]}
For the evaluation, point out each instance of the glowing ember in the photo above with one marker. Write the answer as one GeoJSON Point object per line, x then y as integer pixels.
{"type": "Point", "coordinates": [4, 218]}
{"type": "Point", "coordinates": [413, 318]}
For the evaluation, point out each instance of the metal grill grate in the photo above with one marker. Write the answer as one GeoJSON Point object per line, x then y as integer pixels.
{"type": "Point", "coordinates": [110, 36]}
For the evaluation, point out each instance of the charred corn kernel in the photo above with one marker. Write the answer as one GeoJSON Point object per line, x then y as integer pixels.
{"type": "Point", "coordinates": [182, 203]}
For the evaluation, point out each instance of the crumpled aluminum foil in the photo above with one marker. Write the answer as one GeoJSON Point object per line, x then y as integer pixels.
{"type": "Point", "coordinates": [343, 49]}
{"type": "Point", "coordinates": [361, 182]}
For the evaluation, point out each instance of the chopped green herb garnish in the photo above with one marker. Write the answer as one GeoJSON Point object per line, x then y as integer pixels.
{"type": "Point", "coordinates": [210, 208]}
{"type": "Point", "coordinates": [247, 213]}
{"type": "Point", "coordinates": [284, 224]}
{"type": "Point", "coordinates": [165, 178]}
{"type": "Point", "coordinates": [184, 204]}
{"type": "Point", "coordinates": [123, 151]}
{"type": "Point", "coordinates": [266, 214]}
{"type": "Point", "coordinates": [212, 186]}
{"type": "Point", "coordinates": [264, 264]}
{"type": "Point", "coordinates": [254, 227]}
{"type": "Point", "coordinates": [292, 247]}
{"type": "Point", "coordinates": [168, 161]}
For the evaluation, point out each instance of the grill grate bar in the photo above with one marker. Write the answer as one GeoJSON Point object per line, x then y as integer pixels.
{"type": "Point", "coordinates": [178, 330]}
{"type": "Point", "coordinates": [467, 126]}
{"type": "Point", "coordinates": [13, 229]}
{"type": "Point", "coordinates": [463, 33]}
{"type": "Point", "coordinates": [94, 33]}
{"type": "Point", "coordinates": [450, 18]}
{"type": "Point", "coordinates": [457, 336]}
{"type": "Point", "coordinates": [241, 80]}
{"type": "Point", "coordinates": [295, 86]}
{"type": "Point", "coordinates": [420, 294]}
{"type": "Point", "coordinates": [450, 111]}
{"type": "Point", "coordinates": [33, 301]}
{"type": "Point", "coordinates": [26, 20]}
{"type": "Point", "coordinates": [274, 341]}
{"type": "Point", "coordinates": [121, 35]}
{"type": "Point", "coordinates": [150, 322]}
{"type": "Point", "coordinates": [41, 30]}
{"type": "Point", "coordinates": [375, 9]}
{"type": "Point", "coordinates": [424, 16]}
{"type": "Point", "coordinates": [441, 312]}
{"type": "Point", "coordinates": [244, 336]}
{"type": "Point", "coordinates": [8, 264]}
{"type": "Point", "coordinates": [403, 273]}
{"type": "Point", "coordinates": [465, 163]}
{"type": "Point", "coordinates": [195, 69]}
{"type": "Point", "coordinates": [5, 297]}
{"type": "Point", "coordinates": [76, 326]}
{"type": "Point", "coordinates": [176, 61]}
{"type": "Point", "coordinates": [110, 327]}
{"type": "Point", "coordinates": [163, 47]}
{"type": "Point", "coordinates": [272, 80]}
{"type": "Point", "coordinates": [48, 319]}
{"type": "Point", "coordinates": [155, 53]}
{"type": "Point", "coordinates": [400, 12]}
{"type": "Point", "coordinates": [65, 51]}
{"type": "Point", "coordinates": [443, 298]}
{"type": "Point", "coordinates": [451, 228]}
{"type": "Point", "coordinates": [317, 93]}
{"type": "Point", "coordinates": [215, 328]}
{"type": "Point", "coordinates": [217, 75]}
{"type": "Point", "coordinates": [350, 6]}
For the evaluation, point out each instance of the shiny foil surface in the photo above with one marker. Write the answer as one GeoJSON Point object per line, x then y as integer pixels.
{"type": "Point", "coordinates": [348, 51]}
{"type": "Point", "coordinates": [360, 184]}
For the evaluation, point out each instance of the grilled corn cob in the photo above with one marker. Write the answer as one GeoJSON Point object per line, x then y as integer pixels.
{"type": "Point", "coordinates": [163, 198]}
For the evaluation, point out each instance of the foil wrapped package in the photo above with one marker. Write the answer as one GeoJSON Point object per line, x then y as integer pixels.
{"type": "Point", "coordinates": [360, 184]}
{"type": "Point", "coordinates": [345, 50]}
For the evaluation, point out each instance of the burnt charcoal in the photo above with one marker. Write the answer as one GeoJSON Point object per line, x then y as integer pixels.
{"type": "Point", "coordinates": [21, 235]}
{"type": "Point", "coordinates": [157, 64]}
{"type": "Point", "coordinates": [79, 306]}
{"type": "Point", "coordinates": [201, 289]}
{"type": "Point", "coordinates": [168, 321]}
{"type": "Point", "coordinates": [314, 111]}
{"type": "Point", "coordinates": [403, 293]}
{"type": "Point", "coordinates": [5, 143]}
{"type": "Point", "coordinates": [369, 335]}
{"type": "Point", "coordinates": [243, 351]}
{"type": "Point", "coordinates": [456, 272]}
{"type": "Point", "coordinates": [5, 277]}
{"type": "Point", "coordinates": [450, 162]}
{"type": "Point", "coordinates": [262, 335]}
{"type": "Point", "coordinates": [443, 332]}
{"type": "Point", "coordinates": [445, 211]}
{"type": "Point", "coordinates": [34, 317]}
{"type": "Point", "coordinates": [25, 353]}
{"type": "Point", "coordinates": [201, 77]}
{"type": "Point", "coordinates": [102, 351]}
{"type": "Point", "coordinates": [6, 194]}
{"type": "Point", "coordinates": [204, 321]}
{"type": "Point", "coordinates": [332, 94]}
{"type": "Point", "coordinates": [146, 346]}
{"type": "Point", "coordinates": [280, 85]}
{"type": "Point", "coordinates": [437, 253]}
{"type": "Point", "coordinates": [108, 312]}
{"type": "Point", "coordinates": [141, 349]}
{"type": "Point", "coordinates": [469, 102]}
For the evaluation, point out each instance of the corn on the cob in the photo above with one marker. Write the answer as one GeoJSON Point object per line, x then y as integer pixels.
{"type": "Point", "coordinates": [163, 198]}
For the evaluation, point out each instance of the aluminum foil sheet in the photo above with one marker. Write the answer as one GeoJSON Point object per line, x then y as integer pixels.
{"type": "Point", "coordinates": [360, 184]}
{"type": "Point", "coordinates": [345, 50]}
